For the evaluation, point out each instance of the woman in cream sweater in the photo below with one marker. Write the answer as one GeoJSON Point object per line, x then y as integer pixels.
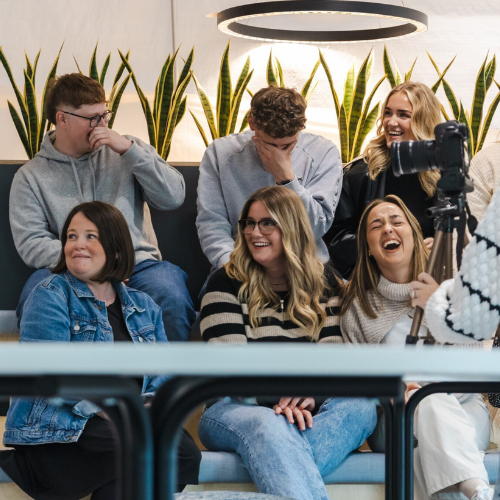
{"type": "Point", "coordinates": [452, 430]}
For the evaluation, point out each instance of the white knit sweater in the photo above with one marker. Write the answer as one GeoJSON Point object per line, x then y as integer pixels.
{"type": "Point", "coordinates": [467, 308]}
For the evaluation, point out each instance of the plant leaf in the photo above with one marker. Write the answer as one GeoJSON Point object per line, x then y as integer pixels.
{"type": "Point", "coordinates": [19, 97]}
{"type": "Point", "coordinates": [104, 69]}
{"type": "Point", "coordinates": [159, 86]}
{"type": "Point", "coordinates": [399, 79]}
{"type": "Point", "coordinates": [200, 129]}
{"type": "Point", "coordinates": [465, 119]}
{"type": "Point", "coordinates": [186, 69]}
{"type": "Point", "coordinates": [271, 77]}
{"type": "Point", "coordinates": [241, 80]}
{"type": "Point", "coordinates": [93, 73]}
{"type": "Point", "coordinates": [32, 111]}
{"type": "Point", "coordinates": [165, 94]}
{"type": "Point", "coordinates": [224, 101]}
{"type": "Point", "coordinates": [489, 117]}
{"type": "Point", "coordinates": [244, 122]}
{"type": "Point", "coordinates": [445, 114]}
{"type": "Point", "coordinates": [35, 65]}
{"type": "Point", "coordinates": [117, 99]}
{"type": "Point", "coordinates": [43, 120]}
{"type": "Point", "coordinates": [281, 78]}
{"type": "Point", "coordinates": [349, 89]}
{"type": "Point", "coordinates": [306, 89]}
{"type": "Point", "coordinates": [358, 140]}
{"type": "Point", "coordinates": [172, 119]}
{"type": "Point", "coordinates": [359, 96]}
{"type": "Point", "coordinates": [478, 103]}
{"type": "Point", "coordinates": [441, 76]}
{"type": "Point", "coordinates": [233, 115]}
{"type": "Point", "coordinates": [207, 108]}
{"type": "Point", "coordinates": [20, 130]}
{"type": "Point", "coordinates": [182, 111]}
{"type": "Point", "coordinates": [29, 67]}
{"type": "Point", "coordinates": [121, 69]}
{"type": "Point", "coordinates": [490, 72]}
{"type": "Point", "coordinates": [368, 124]}
{"type": "Point", "coordinates": [344, 135]}
{"type": "Point", "coordinates": [410, 71]}
{"type": "Point", "coordinates": [330, 81]}
{"type": "Point", "coordinates": [78, 66]}
{"type": "Point", "coordinates": [388, 69]}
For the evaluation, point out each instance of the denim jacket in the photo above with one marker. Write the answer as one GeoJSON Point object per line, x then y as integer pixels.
{"type": "Point", "coordinates": [63, 309]}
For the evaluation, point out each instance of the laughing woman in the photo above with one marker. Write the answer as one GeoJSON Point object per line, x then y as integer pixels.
{"type": "Point", "coordinates": [453, 430]}
{"type": "Point", "coordinates": [274, 288]}
{"type": "Point", "coordinates": [411, 111]}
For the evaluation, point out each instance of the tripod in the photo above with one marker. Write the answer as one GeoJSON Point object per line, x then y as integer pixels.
{"type": "Point", "coordinates": [440, 263]}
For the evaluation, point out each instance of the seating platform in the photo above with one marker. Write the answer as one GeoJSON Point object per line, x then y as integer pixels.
{"type": "Point", "coordinates": [358, 468]}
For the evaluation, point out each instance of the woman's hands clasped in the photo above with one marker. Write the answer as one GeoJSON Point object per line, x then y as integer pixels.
{"type": "Point", "coordinates": [297, 411]}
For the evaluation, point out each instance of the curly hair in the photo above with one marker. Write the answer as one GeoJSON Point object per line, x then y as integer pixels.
{"type": "Point", "coordinates": [278, 111]}
{"type": "Point", "coordinates": [305, 272]}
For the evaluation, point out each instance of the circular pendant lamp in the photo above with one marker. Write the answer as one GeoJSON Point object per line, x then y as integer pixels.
{"type": "Point", "coordinates": [230, 21]}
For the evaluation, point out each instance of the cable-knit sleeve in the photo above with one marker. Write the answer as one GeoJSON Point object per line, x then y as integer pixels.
{"type": "Point", "coordinates": [467, 308]}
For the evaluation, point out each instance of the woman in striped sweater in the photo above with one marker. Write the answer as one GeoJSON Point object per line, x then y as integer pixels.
{"type": "Point", "coordinates": [274, 288]}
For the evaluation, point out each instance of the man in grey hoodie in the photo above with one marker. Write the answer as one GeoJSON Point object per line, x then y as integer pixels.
{"type": "Point", "coordinates": [83, 160]}
{"type": "Point", "coordinates": [273, 152]}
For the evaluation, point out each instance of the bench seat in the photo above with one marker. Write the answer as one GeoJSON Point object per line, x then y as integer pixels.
{"type": "Point", "coordinates": [358, 468]}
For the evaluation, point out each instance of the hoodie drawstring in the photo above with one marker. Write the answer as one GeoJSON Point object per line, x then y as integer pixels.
{"type": "Point", "coordinates": [77, 180]}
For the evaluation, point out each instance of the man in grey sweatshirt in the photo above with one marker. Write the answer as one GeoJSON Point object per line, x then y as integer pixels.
{"type": "Point", "coordinates": [273, 152]}
{"type": "Point", "coordinates": [83, 160]}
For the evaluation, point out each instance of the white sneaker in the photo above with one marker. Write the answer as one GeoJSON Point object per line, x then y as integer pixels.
{"type": "Point", "coordinates": [483, 493]}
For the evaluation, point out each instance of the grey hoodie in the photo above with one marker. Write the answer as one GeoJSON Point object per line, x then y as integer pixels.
{"type": "Point", "coordinates": [231, 170]}
{"type": "Point", "coordinates": [47, 188]}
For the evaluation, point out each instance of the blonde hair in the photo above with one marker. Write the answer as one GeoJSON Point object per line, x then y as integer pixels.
{"type": "Point", "coordinates": [304, 271]}
{"type": "Point", "coordinates": [426, 114]}
{"type": "Point", "coordinates": [366, 274]}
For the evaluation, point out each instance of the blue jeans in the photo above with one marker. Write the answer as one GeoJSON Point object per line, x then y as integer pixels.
{"type": "Point", "coordinates": [164, 282]}
{"type": "Point", "coordinates": [281, 459]}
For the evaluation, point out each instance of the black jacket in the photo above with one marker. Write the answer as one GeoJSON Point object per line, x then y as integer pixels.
{"type": "Point", "coordinates": [358, 191]}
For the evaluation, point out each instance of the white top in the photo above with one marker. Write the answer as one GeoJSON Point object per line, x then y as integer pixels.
{"type": "Point", "coordinates": [396, 336]}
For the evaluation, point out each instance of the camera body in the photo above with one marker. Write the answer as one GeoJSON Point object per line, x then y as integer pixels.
{"type": "Point", "coordinates": [448, 153]}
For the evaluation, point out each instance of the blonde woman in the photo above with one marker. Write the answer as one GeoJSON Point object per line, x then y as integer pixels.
{"type": "Point", "coordinates": [453, 430]}
{"type": "Point", "coordinates": [410, 112]}
{"type": "Point", "coordinates": [274, 288]}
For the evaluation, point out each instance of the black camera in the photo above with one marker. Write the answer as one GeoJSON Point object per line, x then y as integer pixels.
{"type": "Point", "coordinates": [447, 153]}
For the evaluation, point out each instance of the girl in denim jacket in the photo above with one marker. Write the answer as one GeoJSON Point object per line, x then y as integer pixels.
{"type": "Point", "coordinates": [68, 451]}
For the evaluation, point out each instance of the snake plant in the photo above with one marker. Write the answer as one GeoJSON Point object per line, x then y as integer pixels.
{"type": "Point", "coordinates": [169, 103]}
{"type": "Point", "coordinates": [355, 119]}
{"type": "Point", "coordinates": [393, 75]}
{"type": "Point", "coordinates": [478, 128]}
{"type": "Point", "coordinates": [228, 101]}
{"type": "Point", "coordinates": [274, 76]}
{"type": "Point", "coordinates": [32, 124]}
{"type": "Point", "coordinates": [117, 89]}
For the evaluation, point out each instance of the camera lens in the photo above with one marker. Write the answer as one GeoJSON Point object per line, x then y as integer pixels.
{"type": "Point", "coordinates": [410, 157]}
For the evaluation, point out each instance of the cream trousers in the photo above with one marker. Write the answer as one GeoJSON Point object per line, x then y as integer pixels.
{"type": "Point", "coordinates": [452, 438]}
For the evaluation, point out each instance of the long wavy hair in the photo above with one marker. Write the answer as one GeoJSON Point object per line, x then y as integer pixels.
{"type": "Point", "coordinates": [426, 114]}
{"type": "Point", "coordinates": [366, 274]}
{"type": "Point", "coordinates": [304, 271]}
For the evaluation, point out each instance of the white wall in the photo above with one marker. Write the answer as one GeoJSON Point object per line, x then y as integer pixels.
{"type": "Point", "coordinates": [459, 27]}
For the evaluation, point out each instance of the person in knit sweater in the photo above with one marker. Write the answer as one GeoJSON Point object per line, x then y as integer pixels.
{"type": "Point", "coordinates": [275, 288]}
{"type": "Point", "coordinates": [452, 430]}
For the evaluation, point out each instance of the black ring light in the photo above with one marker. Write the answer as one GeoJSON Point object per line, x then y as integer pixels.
{"type": "Point", "coordinates": [229, 21]}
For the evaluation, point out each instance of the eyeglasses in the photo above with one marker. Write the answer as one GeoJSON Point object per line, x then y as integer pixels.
{"type": "Point", "coordinates": [94, 120]}
{"type": "Point", "coordinates": [266, 226]}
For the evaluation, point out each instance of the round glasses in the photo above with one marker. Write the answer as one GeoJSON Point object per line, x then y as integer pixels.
{"type": "Point", "coordinates": [94, 120]}
{"type": "Point", "coordinates": [266, 226]}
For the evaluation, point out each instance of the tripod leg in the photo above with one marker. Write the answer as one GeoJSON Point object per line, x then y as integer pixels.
{"type": "Point", "coordinates": [448, 256]}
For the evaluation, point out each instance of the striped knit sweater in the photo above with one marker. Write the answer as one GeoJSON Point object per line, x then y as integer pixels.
{"type": "Point", "coordinates": [225, 319]}
{"type": "Point", "coordinates": [467, 308]}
